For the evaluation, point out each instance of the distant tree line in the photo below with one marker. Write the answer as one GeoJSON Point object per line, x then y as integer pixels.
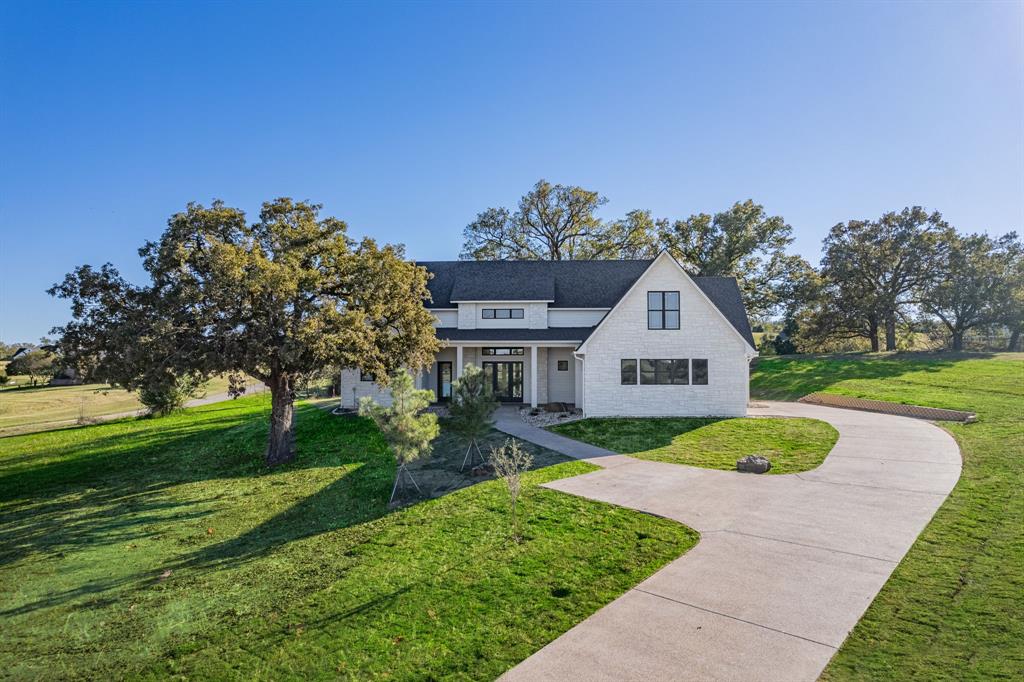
{"type": "Point", "coordinates": [880, 282]}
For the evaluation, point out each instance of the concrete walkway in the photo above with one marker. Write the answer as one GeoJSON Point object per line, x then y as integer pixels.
{"type": "Point", "coordinates": [786, 564]}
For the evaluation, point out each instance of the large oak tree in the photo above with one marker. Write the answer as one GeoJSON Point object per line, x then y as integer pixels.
{"type": "Point", "coordinates": [742, 242]}
{"type": "Point", "coordinates": [277, 299]}
{"type": "Point", "coordinates": [557, 222]}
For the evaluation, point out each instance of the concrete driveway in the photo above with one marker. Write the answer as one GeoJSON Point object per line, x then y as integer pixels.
{"type": "Point", "coordinates": [786, 564]}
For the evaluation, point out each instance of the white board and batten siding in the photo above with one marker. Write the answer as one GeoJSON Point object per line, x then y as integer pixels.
{"type": "Point", "coordinates": [703, 334]}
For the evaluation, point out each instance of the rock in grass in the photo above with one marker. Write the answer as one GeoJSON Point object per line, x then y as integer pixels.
{"type": "Point", "coordinates": [755, 464]}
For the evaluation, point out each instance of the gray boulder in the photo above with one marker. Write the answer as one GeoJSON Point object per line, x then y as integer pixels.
{"type": "Point", "coordinates": [755, 464]}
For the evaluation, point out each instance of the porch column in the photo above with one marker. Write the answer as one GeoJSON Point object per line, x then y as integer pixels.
{"type": "Point", "coordinates": [458, 362]}
{"type": "Point", "coordinates": [533, 376]}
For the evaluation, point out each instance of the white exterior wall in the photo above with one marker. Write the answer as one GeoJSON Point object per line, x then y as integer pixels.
{"type": "Point", "coordinates": [535, 316]}
{"type": "Point", "coordinates": [562, 317]}
{"type": "Point", "coordinates": [446, 318]}
{"type": "Point", "coordinates": [561, 386]}
{"type": "Point", "coordinates": [353, 390]}
{"type": "Point", "coordinates": [704, 333]}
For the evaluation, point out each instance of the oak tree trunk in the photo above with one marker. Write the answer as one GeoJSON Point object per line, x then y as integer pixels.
{"type": "Point", "coordinates": [890, 333]}
{"type": "Point", "coordinates": [873, 334]}
{"type": "Point", "coordinates": [281, 444]}
{"type": "Point", "coordinates": [958, 340]}
{"type": "Point", "coordinates": [1014, 339]}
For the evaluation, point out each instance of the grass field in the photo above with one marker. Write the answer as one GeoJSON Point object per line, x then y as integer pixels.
{"type": "Point", "coordinates": [954, 608]}
{"type": "Point", "coordinates": [158, 548]}
{"type": "Point", "coordinates": [792, 445]}
{"type": "Point", "coordinates": [27, 410]}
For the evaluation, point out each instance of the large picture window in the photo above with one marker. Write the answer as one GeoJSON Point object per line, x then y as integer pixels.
{"type": "Point", "coordinates": [501, 313]}
{"type": "Point", "coordinates": [664, 372]}
{"type": "Point", "coordinates": [700, 372]}
{"type": "Point", "coordinates": [663, 310]}
{"type": "Point", "coordinates": [628, 372]}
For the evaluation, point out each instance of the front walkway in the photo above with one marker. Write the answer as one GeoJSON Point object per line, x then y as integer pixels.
{"type": "Point", "coordinates": [786, 564]}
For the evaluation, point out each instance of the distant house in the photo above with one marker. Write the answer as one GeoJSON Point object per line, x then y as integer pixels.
{"type": "Point", "coordinates": [629, 338]}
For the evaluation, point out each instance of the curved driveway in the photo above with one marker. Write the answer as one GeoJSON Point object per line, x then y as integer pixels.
{"type": "Point", "coordinates": [785, 566]}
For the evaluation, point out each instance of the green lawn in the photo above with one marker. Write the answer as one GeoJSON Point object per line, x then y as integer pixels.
{"type": "Point", "coordinates": [954, 608]}
{"type": "Point", "coordinates": [27, 410]}
{"type": "Point", "coordinates": [792, 445]}
{"type": "Point", "coordinates": [150, 548]}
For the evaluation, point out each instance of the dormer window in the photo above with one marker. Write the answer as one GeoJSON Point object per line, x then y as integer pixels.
{"type": "Point", "coordinates": [501, 313]}
{"type": "Point", "coordinates": [663, 310]}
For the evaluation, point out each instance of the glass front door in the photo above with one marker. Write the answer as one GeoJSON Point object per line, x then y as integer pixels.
{"type": "Point", "coordinates": [505, 380]}
{"type": "Point", "coordinates": [444, 381]}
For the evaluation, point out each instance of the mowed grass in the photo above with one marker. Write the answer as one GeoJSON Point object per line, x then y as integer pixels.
{"type": "Point", "coordinates": [158, 548]}
{"type": "Point", "coordinates": [792, 445]}
{"type": "Point", "coordinates": [28, 410]}
{"type": "Point", "coordinates": [954, 608]}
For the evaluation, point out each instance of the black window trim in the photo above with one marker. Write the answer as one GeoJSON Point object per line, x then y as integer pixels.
{"type": "Point", "coordinates": [366, 376]}
{"type": "Point", "coordinates": [503, 313]}
{"type": "Point", "coordinates": [664, 371]}
{"type": "Point", "coordinates": [693, 373]}
{"type": "Point", "coordinates": [562, 366]}
{"type": "Point", "coordinates": [635, 371]}
{"type": "Point", "coordinates": [491, 351]}
{"type": "Point", "coordinates": [663, 310]}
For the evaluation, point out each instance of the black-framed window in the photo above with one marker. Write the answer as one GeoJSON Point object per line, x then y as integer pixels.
{"type": "Point", "coordinates": [502, 351]}
{"type": "Point", "coordinates": [366, 376]}
{"type": "Point", "coordinates": [502, 313]}
{"type": "Point", "coordinates": [663, 310]}
{"type": "Point", "coordinates": [563, 365]}
{"type": "Point", "coordinates": [628, 371]}
{"type": "Point", "coordinates": [664, 372]}
{"type": "Point", "coordinates": [700, 372]}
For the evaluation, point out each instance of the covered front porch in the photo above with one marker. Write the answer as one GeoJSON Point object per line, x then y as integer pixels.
{"type": "Point", "coordinates": [528, 372]}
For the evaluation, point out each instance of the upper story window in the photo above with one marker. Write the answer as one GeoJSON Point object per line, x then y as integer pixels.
{"type": "Point", "coordinates": [366, 376]}
{"type": "Point", "coordinates": [502, 351]}
{"type": "Point", "coordinates": [501, 313]}
{"type": "Point", "coordinates": [663, 310]}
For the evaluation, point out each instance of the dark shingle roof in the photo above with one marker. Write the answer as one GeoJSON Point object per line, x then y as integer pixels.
{"type": "Point", "coordinates": [567, 284]}
{"type": "Point", "coordinates": [725, 294]}
{"type": "Point", "coordinates": [576, 334]}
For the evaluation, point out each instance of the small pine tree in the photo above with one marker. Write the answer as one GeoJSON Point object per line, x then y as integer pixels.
{"type": "Point", "coordinates": [471, 411]}
{"type": "Point", "coordinates": [407, 430]}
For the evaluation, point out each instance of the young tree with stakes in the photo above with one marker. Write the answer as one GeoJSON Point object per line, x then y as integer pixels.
{"type": "Point", "coordinates": [406, 428]}
{"type": "Point", "coordinates": [471, 411]}
{"type": "Point", "coordinates": [510, 462]}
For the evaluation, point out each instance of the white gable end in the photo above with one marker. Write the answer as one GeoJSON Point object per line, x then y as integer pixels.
{"type": "Point", "coordinates": [703, 333]}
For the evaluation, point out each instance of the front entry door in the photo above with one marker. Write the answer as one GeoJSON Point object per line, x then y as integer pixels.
{"type": "Point", "coordinates": [444, 382]}
{"type": "Point", "coordinates": [505, 380]}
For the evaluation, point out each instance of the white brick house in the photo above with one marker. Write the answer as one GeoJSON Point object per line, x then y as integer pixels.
{"type": "Point", "coordinates": [629, 338]}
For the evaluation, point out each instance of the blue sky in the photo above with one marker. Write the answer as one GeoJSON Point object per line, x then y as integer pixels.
{"type": "Point", "coordinates": [406, 120]}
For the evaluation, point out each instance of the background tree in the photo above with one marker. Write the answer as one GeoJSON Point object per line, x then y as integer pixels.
{"type": "Point", "coordinates": [282, 297]}
{"type": "Point", "coordinates": [742, 242]}
{"type": "Point", "coordinates": [963, 292]}
{"type": "Point", "coordinates": [1008, 306]}
{"type": "Point", "coordinates": [556, 222]}
{"type": "Point", "coordinates": [36, 363]}
{"type": "Point", "coordinates": [471, 410]}
{"type": "Point", "coordinates": [406, 428]}
{"type": "Point", "coordinates": [876, 267]}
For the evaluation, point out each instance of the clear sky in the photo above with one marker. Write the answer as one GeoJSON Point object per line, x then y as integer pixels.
{"type": "Point", "coordinates": [406, 120]}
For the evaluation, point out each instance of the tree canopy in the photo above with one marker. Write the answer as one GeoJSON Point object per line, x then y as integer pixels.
{"type": "Point", "coordinates": [557, 222]}
{"type": "Point", "coordinates": [276, 299]}
{"type": "Point", "coordinates": [742, 242]}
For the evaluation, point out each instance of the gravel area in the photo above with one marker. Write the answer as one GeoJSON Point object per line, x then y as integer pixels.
{"type": "Point", "coordinates": [545, 418]}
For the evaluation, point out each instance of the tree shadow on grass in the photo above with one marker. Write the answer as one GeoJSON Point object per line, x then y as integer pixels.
{"type": "Point", "coordinates": [788, 377]}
